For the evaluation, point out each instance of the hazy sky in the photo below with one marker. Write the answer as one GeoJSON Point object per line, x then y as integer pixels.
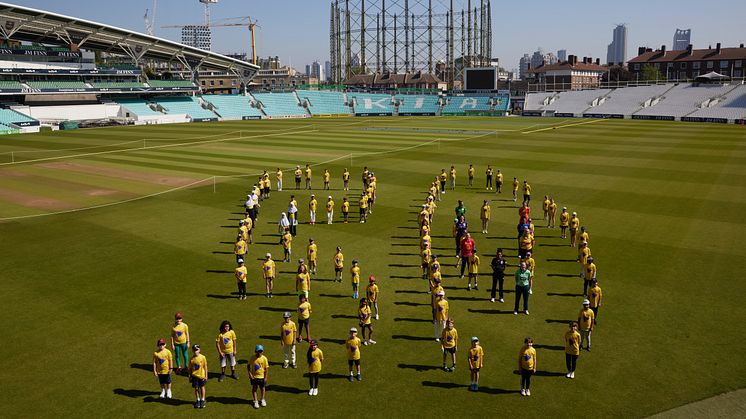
{"type": "Point", "coordinates": [298, 30]}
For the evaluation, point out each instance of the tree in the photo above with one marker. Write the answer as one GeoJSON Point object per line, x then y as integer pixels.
{"type": "Point", "coordinates": [650, 72]}
{"type": "Point", "coordinates": [617, 73]}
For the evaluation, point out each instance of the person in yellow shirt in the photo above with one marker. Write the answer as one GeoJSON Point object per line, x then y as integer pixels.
{"type": "Point", "coordinates": [484, 215]}
{"type": "Point", "coordinates": [364, 316]}
{"type": "Point", "coordinates": [327, 179]}
{"type": "Point", "coordinates": [371, 292]}
{"type": "Point", "coordinates": [423, 216]}
{"type": "Point", "coordinates": [526, 192]}
{"type": "Point", "coordinates": [572, 349]}
{"type": "Point", "coordinates": [243, 230]}
{"type": "Point", "coordinates": [315, 358]}
{"type": "Point", "coordinates": [363, 205]}
{"type": "Point", "coordinates": [526, 243]}
{"type": "Point", "coordinates": [476, 361]}
{"type": "Point", "coordinates": [589, 270]}
{"type": "Point", "coordinates": [365, 176]}
{"type": "Point", "coordinates": [266, 185]}
{"type": "Point", "coordinates": [303, 281]}
{"type": "Point", "coordinates": [564, 222]}
{"type": "Point", "coordinates": [241, 279]}
{"type": "Point", "coordinates": [441, 313]}
{"type": "Point", "coordinates": [471, 172]}
{"type": "Point", "coordinates": [499, 181]}
{"type": "Point", "coordinates": [259, 374]}
{"type": "Point", "coordinates": [162, 366]}
{"type": "Point", "coordinates": [527, 365]}
{"type": "Point", "coordinates": [308, 177]}
{"type": "Point", "coordinates": [312, 204]}
{"type": "Point", "coordinates": [433, 191]}
{"type": "Point", "coordinates": [586, 319]}
{"type": "Point", "coordinates": [240, 249]}
{"type": "Point", "coordinates": [449, 345]}
{"type": "Point", "coordinates": [545, 207]}
{"type": "Point", "coordinates": [346, 179]}
{"type": "Point", "coordinates": [574, 224]}
{"type": "Point", "coordinates": [473, 271]}
{"type": "Point", "coordinates": [287, 245]}
{"type": "Point", "coordinates": [278, 176]}
{"type": "Point", "coordinates": [595, 295]}
{"type": "Point", "coordinates": [426, 258]}
{"type": "Point", "coordinates": [304, 317]}
{"type": "Point", "coordinates": [298, 175]}
{"type": "Point", "coordinates": [288, 334]}
{"type": "Point", "coordinates": [370, 194]}
{"type": "Point", "coordinates": [452, 178]}
{"type": "Point", "coordinates": [515, 188]}
{"type": "Point", "coordinates": [268, 273]}
{"type": "Point", "coordinates": [551, 223]}
{"type": "Point", "coordinates": [488, 174]}
{"type": "Point", "coordinates": [249, 224]}
{"type": "Point", "coordinates": [227, 347]}
{"type": "Point", "coordinates": [198, 376]}
{"type": "Point", "coordinates": [329, 209]}
{"type": "Point", "coordinates": [442, 178]}
{"type": "Point", "coordinates": [339, 263]}
{"type": "Point", "coordinates": [583, 235]}
{"type": "Point", "coordinates": [180, 342]}
{"type": "Point", "coordinates": [355, 278]}
{"type": "Point", "coordinates": [352, 346]}
{"type": "Point", "coordinates": [531, 265]}
{"type": "Point", "coordinates": [345, 210]}
{"type": "Point", "coordinates": [312, 253]}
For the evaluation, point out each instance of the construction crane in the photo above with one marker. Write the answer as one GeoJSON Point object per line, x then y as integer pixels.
{"type": "Point", "coordinates": [150, 22]}
{"type": "Point", "coordinates": [246, 21]}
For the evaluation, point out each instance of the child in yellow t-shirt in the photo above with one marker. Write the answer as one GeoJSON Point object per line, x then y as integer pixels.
{"type": "Point", "coordinates": [315, 358]}
{"type": "Point", "coordinates": [162, 366]}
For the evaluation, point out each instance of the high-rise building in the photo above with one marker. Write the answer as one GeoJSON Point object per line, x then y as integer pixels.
{"type": "Point", "coordinates": [328, 70]}
{"type": "Point", "coordinates": [616, 52]}
{"type": "Point", "coordinates": [562, 55]}
{"type": "Point", "coordinates": [681, 39]}
{"type": "Point", "coordinates": [523, 65]}
{"type": "Point", "coordinates": [198, 36]}
{"type": "Point", "coordinates": [308, 70]}
{"type": "Point", "coordinates": [317, 71]}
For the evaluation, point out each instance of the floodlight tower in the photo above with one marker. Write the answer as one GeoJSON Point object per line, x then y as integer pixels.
{"type": "Point", "coordinates": [207, 4]}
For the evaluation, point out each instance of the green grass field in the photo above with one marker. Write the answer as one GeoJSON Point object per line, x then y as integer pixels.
{"type": "Point", "coordinates": [87, 293]}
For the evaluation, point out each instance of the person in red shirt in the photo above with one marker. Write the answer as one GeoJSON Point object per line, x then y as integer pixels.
{"type": "Point", "coordinates": [467, 248]}
{"type": "Point", "coordinates": [524, 212]}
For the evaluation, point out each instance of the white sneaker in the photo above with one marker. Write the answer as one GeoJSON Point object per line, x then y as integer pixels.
{"type": "Point", "coordinates": [501, 300]}
{"type": "Point", "coordinates": [256, 404]}
{"type": "Point", "coordinates": [264, 402]}
{"type": "Point", "coordinates": [567, 375]}
{"type": "Point", "coordinates": [310, 392]}
{"type": "Point", "coordinates": [437, 339]}
{"type": "Point", "coordinates": [371, 341]}
{"type": "Point", "coordinates": [528, 392]}
{"type": "Point", "coordinates": [515, 313]}
{"type": "Point", "coordinates": [492, 300]}
{"type": "Point", "coordinates": [316, 392]}
{"type": "Point", "coordinates": [526, 312]}
{"type": "Point", "coordinates": [523, 392]}
{"type": "Point", "coordinates": [572, 374]}
{"type": "Point", "coordinates": [168, 393]}
{"type": "Point", "coordinates": [376, 316]}
{"type": "Point", "coordinates": [365, 342]}
{"type": "Point", "coordinates": [163, 394]}
{"type": "Point", "coordinates": [531, 291]}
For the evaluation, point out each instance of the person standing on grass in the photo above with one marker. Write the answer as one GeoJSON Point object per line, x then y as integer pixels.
{"type": "Point", "coordinates": [460, 209]}
{"type": "Point", "coordinates": [449, 345]}
{"type": "Point", "coordinates": [527, 365]}
{"type": "Point", "coordinates": [471, 175]}
{"type": "Point", "coordinates": [352, 346]}
{"type": "Point", "coordinates": [564, 222]}
{"type": "Point", "coordinates": [588, 269]}
{"type": "Point", "coordinates": [515, 188]}
{"type": "Point", "coordinates": [524, 212]}
{"type": "Point", "coordinates": [269, 271]}
{"type": "Point", "coordinates": [498, 266]}
{"type": "Point", "coordinates": [248, 224]}
{"type": "Point", "coordinates": [284, 223]}
{"type": "Point", "coordinates": [460, 228]}
{"type": "Point", "coordinates": [312, 252]}
{"type": "Point", "coordinates": [312, 204]}
{"type": "Point", "coordinates": [267, 185]}
{"type": "Point", "coordinates": [484, 215]}
{"type": "Point", "coordinates": [442, 178]}
{"type": "Point", "coordinates": [241, 279]}
{"type": "Point", "coordinates": [180, 342]}
{"type": "Point", "coordinates": [304, 317]}
{"type": "Point", "coordinates": [586, 319]}
{"type": "Point", "coordinates": [243, 230]}
{"type": "Point", "coordinates": [303, 281]}
{"type": "Point", "coordinates": [365, 177]}
{"type": "Point", "coordinates": [339, 263]}
{"type": "Point", "coordinates": [526, 192]}
{"type": "Point", "coordinates": [198, 376]}
{"type": "Point", "coordinates": [523, 282]}
{"type": "Point", "coordinates": [572, 349]}
{"type": "Point", "coordinates": [364, 316]}
{"type": "Point", "coordinates": [551, 222]}
{"type": "Point", "coordinates": [441, 313]}
{"type": "Point", "coordinates": [355, 278]}
{"type": "Point", "coordinates": [363, 205]}
{"type": "Point", "coordinates": [531, 265]}
{"type": "Point", "coordinates": [162, 366]}
{"type": "Point", "coordinates": [259, 374]}
{"type": "Point", "coordinates": [293, 215]}
{"type": "Point", "coordinates": [574, 224]}
{"type": "Point", "coordinates": [315, 358]}
{"type": "Point", "coordinates": [526, 243]}
{"type": "Point", "coordinates": [476, 361]}
{"type": "Point", "coordinates": [499, 181]}
{"type": "Point", "coordinates": [467, 247]}
{"type": "Point", "coordinates": [452, 178]}
{"type": "Point", "coordinates": [288, 334]}
{"type": "Point", "coordinates": [345, 210]}
{"type": "Point", "coordinates": [595, 295]}
{"type": "Point", "coordinates": [327, 179]}
{"type": "Point", "coordinates": [371, 292]}
{"type": "Point", "coordinates": [298, 175]}
{"type": "Point", "coordinates": [241, 248]}
{"type": "Point", "coordinates": [278, 176]}
{"type": "Point", "coordinates": [488, 175]}
{"type": "Point", "coordinates": [426, 259]}
{"type": "Point", "coordinates": [346, 180]}
{"type": "Point", "coordinates": [473, 270]}
{"type": "Point", "coordinates": [329, 209]}
{"type": "Point", "coordinates": [227, 346]}
{"type": "Point", "coordinates": [308, 177]}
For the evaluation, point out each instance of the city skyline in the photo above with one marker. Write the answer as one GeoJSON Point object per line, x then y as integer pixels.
{"type": "Point", "coordinates": [299, 33]}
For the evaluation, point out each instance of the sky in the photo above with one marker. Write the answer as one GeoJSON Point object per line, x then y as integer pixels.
{"type": "Point", "coordinates": [298, 30]}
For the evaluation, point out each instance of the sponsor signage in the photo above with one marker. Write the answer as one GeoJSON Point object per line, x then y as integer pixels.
{"type": "Point", "coordinates": [564, 115]}
{"type": "Point", "coordinates": [39, 53]}
{"type": "Point", "coordinates": [374, 114]}
{"type": "Point", "coordinates": [701, 119]}
{"type": "Point", "coordinates": [531, 113]}
{"type": "Point", "coordinates": [416, 113]}
{"type": "Point", "coordinates": [654, 117]}
{"type": "Point", "coordinates": [246, 118]}
{"type": "Point", "coordinates": [71, 71]}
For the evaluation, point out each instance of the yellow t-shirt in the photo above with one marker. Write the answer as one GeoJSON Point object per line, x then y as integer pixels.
{"type": "Point", "coordinates": [287, 333]}
{"type": "Point", "coordinates": [572, 342]}
{"type": "Point", "coordinates": [449, 338]}
{"type": "Point", "coordinates": [311, 252]}
{"type": "Point", "coordinates": [258, 365]}
{"type": "Point", "coordinates": [527, 242]}
{"type": "Point", "coordinates": [531, 265]}
{"type": "Point", "coordinates": [526, 189]}
{"type": "Point", "coordinates": [425, 242]}
{"type": "Point", "coordinates": [329, 206]}
{"type": "Point", "coordinates": [180, 331]}
{"type": "Point", "coordinates": [352, 345]}
{"type": "Point", "coordinates": [363, 203]}
{"type": "Point", "coordinates": [308, 173]}
{"type": "Point", "coordinates": [268, 269]}
{"type": "Point", "coordinates": [244, 232]}
{"type": "Point", "coordinates": [488, 172]}
{"type": "Point", "coordinates": [574, 223]}
{"type": "Point", "coordinates": [441, 310]}
{"type": "Point", "coordinates": [248, 223]}
{"type": "Point", "coordinates": [225, 341]}
{"type": "Point", "coordinates": [564, 219]}
{"type": "Point", "coordinates": [345, 206]}
{"type": "Point", "coordinates": [546, 204]}
{"type": "Point", "coordinates": [355, 272]}
{"type": "Point", "coordinates": [162, 361]}
{"type": "Point", "coordinates": [279, 175]}
{"type": "Point", "coordinates": [515, 185]}
{"type": "Point", "coordinates": [302, 282]}
{"type": "Point", "coordinates": [198, 366]}
{"type": "Point", "coordinates": [372, 292]}
{"type": "Point", "coordinates": [528, 358]}
{"type": "Point", "coordinates": [339, 260]}
{"type": "Point", "coordinates": [346, 176]}
{"type": "Point", "coordinates": [476, 356]}
{"type": "Point", "coordinates": [312, 205]}
{"type": "Point", "coordinates": [317, 357]}
{"type": "Point", "coordinates": [486, 210]}
{"type": "Point", "coordinates": [364, 314]}
{"type": "Point", "coordinates": [584, 255]}
{"type": "Point", "coordinates": [304, 310]}
{"type": "Point", "coordinates": [583, 237]}
{"type": "Point", "coordinates": [287, 240]}
{"type": "Point", "coordinates": [453, 173]}
{"type": "Point", "coordinates": [474, 264]}
{"type": "Point", "coordinates": [426, 254]}
{"type": "Point", "coordinates": [590, 270]}
{"type": "Point", "coordinates": [595, 295]}
{"type": "Point", "coordinates": [443, 177]}
{"type": "Point", "coordinates": [298, 173]}
{"type": "Point", "coordinates": [240, 248]}
{"type": "Point", "coordinates": [327, 176]}
{"type": "Point", "coordinates": [471, 172]}
{"type": "Point", "coordinates": [499, 178]}
{"type": "Point", "coordinates": [585, 319]}
{"type": "Point", "coordinates": [552, 208]}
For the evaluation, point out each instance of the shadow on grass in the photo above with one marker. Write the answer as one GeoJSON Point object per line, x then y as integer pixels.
{"type": "Point", "coordinates": [335, 341]}
{"type": "Point", "coordinates": [551, 245]}
{"type": "Point", "coordinates": [218, 271]}
{"type": "Point", "coordinates": [227, 242]}
{"type": "Point", "coordinates": [170, 402]}
{"type": "Point", "coordinates": [402, 254]}
{"type": "Point", "coordinates": [410, 319]}
{"type": "Point", "coordinates": [404, 277]}
{"type": "Point", "coordinates": [407, 337]}
{"type": "Point", "coordinates": [418, 368]}
{"type": "Point", "coordinates": [563, 275]}
{"type": "Point", "coordinates": [474, 310]}
{"type": "Point", "coordinates": [145, 367]}
{"type": "Point", "coordinates": [404, 237]}
{"type": "Point", "coordinates": [558, 321]}
{"type": "Point", "coordinates": [343, 316]}
{"type": "Point", "coordinates": [541, 373]}
{"type": "Point", "coordinates": [550, 347]}
{"type": "Point", "coordinates": [134, 393]}
{"type": "Point", "coordinates": [410, 291]}
{"type": "Point", "coordinates": [276, 309]}
{"type": "Point", "coordinates": [268, 243]}
{"type": "Point", "coordinates": [404, 244]}
{"type": "Point", "coordinates": [285, 389]}
{"type": "Point", "coordinates": [331, 375]}
{"type": "Point", "coordinates": [220, 252]}
{"type": "Point", "coordinates": [563, 294]}
{"type": "Point", "coordinates": [269, 337]}
{"type": "Point", "coordinates": [488, 390]}
{"type": "Point", "coordinates": [233, 226]}
{"type": "Point", "coordinates": [451, 298]}
{"type": "Point", "coordinates": [562, 260]}
{"type": "Point", "coordinates": [403, 265]}
{"type": "Point", "coordinates": [408, 228]}
{"type": "Point", "coordinates": [226, 400]}
{"type": "Point", "coordinates": [334, 296]}
{"type": "Point", "coordinates": [409, 303]}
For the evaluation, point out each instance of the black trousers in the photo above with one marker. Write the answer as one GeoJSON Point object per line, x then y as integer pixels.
{"type": "Point", "coordinates": [571, 361]}
{"type": "Point", "coordinates": [526, 378]}
{"type": "Point", "coordinates": [241, 289]}
{"type": "Point", "coordinates": [497, 279]}
{"type": "Point", "coordinates": [313, 379]}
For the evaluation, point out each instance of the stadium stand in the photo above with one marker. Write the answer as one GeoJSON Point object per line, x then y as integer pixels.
{"type": "Point", "coordinates": [233, 106]}
{"type": "Point", "coordinates": [462, 104]}
{"type": "Point", "coordinates": [575, 102]}
{"type": "Point", "coordinates": [170, 83]}
{"type": "Point", "coordinates": [502, 103]}
{"type": "Point", "coordinates": [372, 103]}
{"type": "Point", "coordinates": [138, 107]}
{"type": "Point", "coordinates": [535, 102]}
{"type": "Point", "coordinates": [10, 84]}
{"type": "Point", "coordinates": [277, 105]}
{"type": "Point", "coordinates": [628, 100]}
{"type": "Point", "coordinates": [57, 84]}
{"type": "Point", "coordinates": [185, 105]}
{"type": "Point", "coordinates": [683, 99]}
{"type": "Point", "coordinates": [418, 104]}
{"type": "Point", "coordinates": [74, 112]}
{"type": "Point", "coordinates": [118, 85]}
{"type": "Point", "coordinates": [9, 117]}
{"type": "Point", "coordinates": [730, 107]}
{"type": "Point", "coordinates": [324, 102]}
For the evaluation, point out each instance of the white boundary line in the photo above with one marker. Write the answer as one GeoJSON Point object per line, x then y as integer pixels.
{"type": "Point", "coordinates": [564, 126]}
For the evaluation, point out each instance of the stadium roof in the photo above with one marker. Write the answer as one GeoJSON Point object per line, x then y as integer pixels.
{"type": "Point", "coordinates": [32, 25]}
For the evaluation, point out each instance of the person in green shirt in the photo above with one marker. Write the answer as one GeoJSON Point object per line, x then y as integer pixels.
{"type": "Point", "coordinates": [523, 282]}
{"type": "Point", "coordinates": [460, 209]}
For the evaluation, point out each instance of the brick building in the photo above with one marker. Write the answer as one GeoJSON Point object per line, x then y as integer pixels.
{"type": "Point", "coordinates": [568, 75]}
{"type": "Point", "coordinates": [690, 63]}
